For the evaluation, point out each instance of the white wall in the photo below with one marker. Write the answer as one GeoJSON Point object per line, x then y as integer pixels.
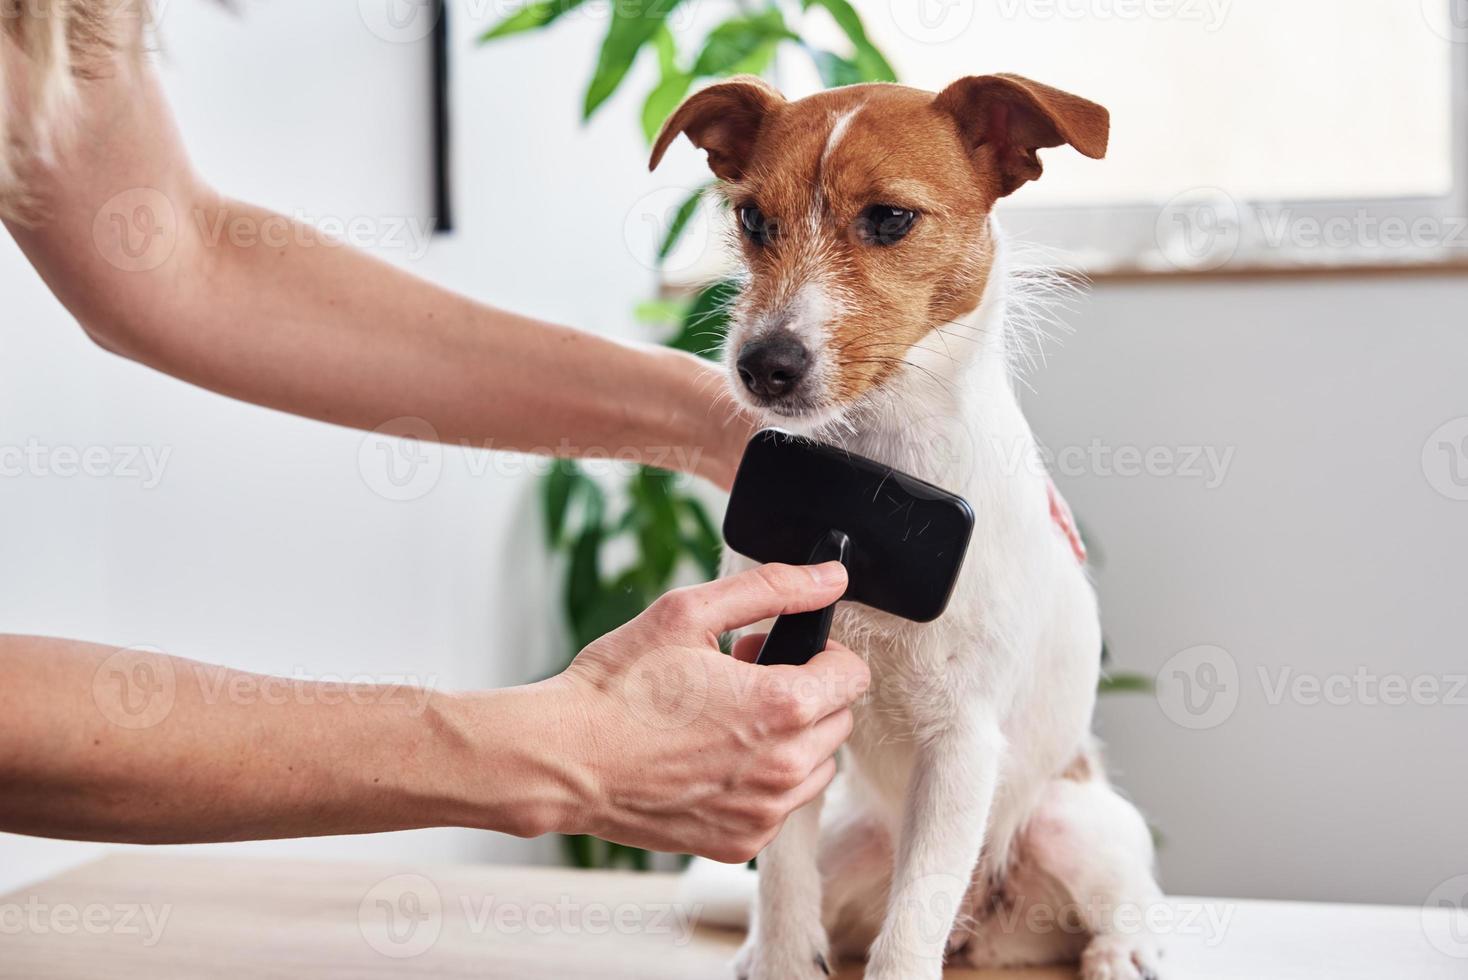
{"type": "Point", "coordinates": [265, 547]}
{"type": "Point", "coordinates": [1325, 548]}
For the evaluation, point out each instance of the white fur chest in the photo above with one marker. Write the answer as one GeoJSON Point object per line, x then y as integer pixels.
{"type": "Point", "coordinates": [1021, 600]}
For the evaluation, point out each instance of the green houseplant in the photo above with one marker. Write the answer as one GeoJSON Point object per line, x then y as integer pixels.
{"type": "Point", "coordinates": [650, 515]}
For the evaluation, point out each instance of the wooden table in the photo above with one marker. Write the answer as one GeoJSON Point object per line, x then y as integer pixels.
{"type": "Point", "coordinates": [161, 918]}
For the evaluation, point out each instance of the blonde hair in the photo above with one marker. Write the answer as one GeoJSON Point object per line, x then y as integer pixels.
{"type": "Point", "coordinates": [45, 47]}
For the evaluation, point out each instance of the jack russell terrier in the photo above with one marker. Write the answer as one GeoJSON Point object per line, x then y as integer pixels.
{"type": "Point", "coordinates": [972, 819]}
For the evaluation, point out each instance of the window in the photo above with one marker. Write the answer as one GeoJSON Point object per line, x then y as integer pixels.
{"type": "Point", "coordinates": [1245, 133]}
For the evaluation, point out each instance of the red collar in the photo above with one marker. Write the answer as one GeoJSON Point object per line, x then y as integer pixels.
{"type": "Point", "coordinates": [1065, 520]}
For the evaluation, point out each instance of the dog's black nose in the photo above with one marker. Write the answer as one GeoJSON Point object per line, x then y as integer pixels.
{"type": "Point", "coordinates": [773, 366]}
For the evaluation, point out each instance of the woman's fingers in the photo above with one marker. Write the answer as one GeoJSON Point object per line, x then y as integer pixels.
{"type": "Point", "coordinates": [814, 785]}
{"type": "Point", "coordinates": [747, 647]}
{"type": "Point", "coordinates": [829, 734]}
{"type": "Point", "coordinates": [833, 681]}
{"type": "Point", "coordinates": [741, 600]}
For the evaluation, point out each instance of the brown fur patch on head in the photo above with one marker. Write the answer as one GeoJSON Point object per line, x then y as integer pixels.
{"type": "Point", "coordinates": [819, 165]}
{"type": "Point", "coordinates": [815, 168]}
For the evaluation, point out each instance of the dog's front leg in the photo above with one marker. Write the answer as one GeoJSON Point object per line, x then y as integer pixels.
{"type": "Point", "coordinates": [955, 775]}
{"type": "Point", "coordinates": [788, 939]}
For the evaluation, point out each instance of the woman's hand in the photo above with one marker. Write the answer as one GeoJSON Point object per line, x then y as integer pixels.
{"type": "Point", "coordinates": [652, 737]}
{"type": "Point", "coordinates": [678, 747]}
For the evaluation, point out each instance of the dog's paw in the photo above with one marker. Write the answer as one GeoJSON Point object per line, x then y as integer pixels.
{"type": "Point", "coordinates": [759, 961]}
{"type": "Point", "coordinates": [1120, 958]}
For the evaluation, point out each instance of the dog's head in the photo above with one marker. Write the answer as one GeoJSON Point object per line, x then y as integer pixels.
{"type": "Point", "coordinates": [863, 216]}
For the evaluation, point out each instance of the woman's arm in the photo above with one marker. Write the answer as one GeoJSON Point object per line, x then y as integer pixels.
{"type": "Point", "coordinates": [652, 737]}
{"type": "Point", "coordinates": [161, 269]}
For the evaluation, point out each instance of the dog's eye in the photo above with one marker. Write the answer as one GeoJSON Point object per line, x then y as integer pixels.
{"type": "Point", "coordinates": [757, 228]}
{"type": "Point", "coordinates": [883, 224]}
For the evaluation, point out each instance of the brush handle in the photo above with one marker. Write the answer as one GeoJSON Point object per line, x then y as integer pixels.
{"type": "Point", "coordinates": [797, 637]}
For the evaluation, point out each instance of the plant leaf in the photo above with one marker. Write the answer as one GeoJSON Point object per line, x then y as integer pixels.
{"type": "Point", "coordinates": [530, 17]}
{"type": "Point", "coordinates": [583, 578]}
{"type": "Point", "coordinates": [615, 606]}
{"type": "Point", "coordinates": [758, 61]}
{"type": "Point", "coordinates": [730, 47]}
{"type": "Point", "coordinates": [870, 62]}
{"type": "Point", "coordinates": [835, 70]}
{"type": "Point", "coordinates": [704, 542]}
{"type": "Point", "coordinates": [707, 321]}
{"type": "Point", "coordinates": [662, 100]}
{"type": "Point", "coordinates": [633, 25]}
{"type": "Point", "coordinates": [661, 312]}
{"type": "Point", "coordinates": [684, 215]}
{"type": "Point", "coordinates": [657, 527]}
{"type": "Point", "coordinates": [1124, 683]}
{"type": "Point", "coordinates": [667, 48]}
{"type": "Point", "coordinates": [555, 497]}
{"type": "Point", "coordinates": [578, 850]}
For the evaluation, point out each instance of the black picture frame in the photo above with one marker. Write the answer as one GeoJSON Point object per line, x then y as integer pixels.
{"type": "Point", "coordinates": [443, 210]}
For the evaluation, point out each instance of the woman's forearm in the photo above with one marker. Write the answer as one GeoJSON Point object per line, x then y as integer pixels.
{"type": "Point", "coordinates": [231, 297]}
{"type": "Point", "coordinates": [325, 331]}
{"type": "Point", "coordinates": [652, 737]}
{"type": "Point", "coordinates": [98, 743]}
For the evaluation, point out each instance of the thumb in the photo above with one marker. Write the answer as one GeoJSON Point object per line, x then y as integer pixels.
{"type": "Point", "coordinates": [759, 593]}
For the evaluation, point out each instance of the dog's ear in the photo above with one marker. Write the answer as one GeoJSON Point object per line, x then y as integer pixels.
{"type": "Point", "coordinates": [724, 120]}
{"type": "Point", "coordinates": [1004, 119]}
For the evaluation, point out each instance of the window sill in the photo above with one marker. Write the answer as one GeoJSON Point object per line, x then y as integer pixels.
{"type": "Point", "coordinates": [1126, 273]}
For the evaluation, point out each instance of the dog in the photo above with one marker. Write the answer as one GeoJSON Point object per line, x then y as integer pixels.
{"type": "Point", "coordinates": [972, 819]}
